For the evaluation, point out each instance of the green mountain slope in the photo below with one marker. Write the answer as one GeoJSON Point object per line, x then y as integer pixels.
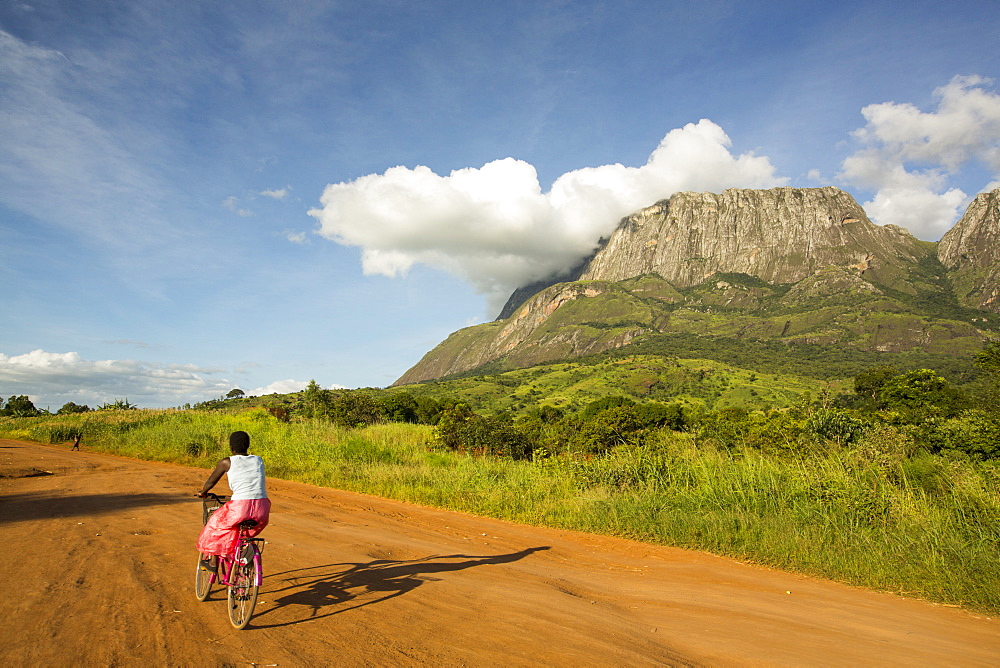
{"type": "Point", "coordinates": [830, 308]}
{"type": "Point", "coordinates": [698, 383]}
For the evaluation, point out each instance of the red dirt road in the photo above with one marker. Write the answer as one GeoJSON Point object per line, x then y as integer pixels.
{"type": "Point", "coordinates": [98, 562]}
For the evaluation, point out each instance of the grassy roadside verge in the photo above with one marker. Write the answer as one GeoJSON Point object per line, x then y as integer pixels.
{"type": "Point", "coordinates": [872, 515]}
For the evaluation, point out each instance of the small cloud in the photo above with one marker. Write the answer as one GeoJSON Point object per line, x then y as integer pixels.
{"type": "Point", "coordinates": [280, 387]}
{"type": "Point", "coordinates": [814, 176]}
{"type": "Point", "coordinates": [276, 194]}
{"type": "Point", "coordinates": [130, 342]}
{"type": "Point", "coordinates": [296, 237]}
{"type": "Point", "coordinates": [265, 163]}
{"type": "Point", "coordinates": [288, 387]}
{"type": "Point", "coordinates": [232, 203]}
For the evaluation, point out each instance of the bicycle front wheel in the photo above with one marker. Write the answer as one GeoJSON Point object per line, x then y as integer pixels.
{"type": "Point", "coordinates": [242, 597]}
{"type": "Point", "coordinates": [202, 581]}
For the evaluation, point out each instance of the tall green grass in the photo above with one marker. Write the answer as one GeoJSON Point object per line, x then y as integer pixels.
{"type": "Point", "coordinates": [876, 514]}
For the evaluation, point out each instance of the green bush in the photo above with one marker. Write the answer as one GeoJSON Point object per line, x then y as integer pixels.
{"type": "Point", "coordinates": [975, 433]}
{"type": "Point", "coordinates": [607, 429]}
{"type": "Point", "coordinates": [767, 431]}
{"type": "Point", "coordinates": [460, 429]}
{"type": "Point", "coordinates": [834, 425]}
{"type": "Point", "coordinates": [920, 394]}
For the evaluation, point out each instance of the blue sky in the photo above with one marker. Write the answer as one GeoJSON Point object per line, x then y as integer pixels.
{"type": "Point", "coordinates": [200, 196]}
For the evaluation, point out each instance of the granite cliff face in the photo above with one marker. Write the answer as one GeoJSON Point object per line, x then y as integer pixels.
{"type": "Point", "coordinates": [799, 265]}
{"type": "Point", "coordinates": [971, 251]}
{"type": "Point", "coordinates": [780, 235]}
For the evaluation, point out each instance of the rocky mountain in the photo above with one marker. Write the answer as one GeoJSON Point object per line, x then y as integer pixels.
{"type": "Point", "coordinates": [971, 252]}
{"type": "Point", "coordinates": [780, 235]}
{"type": "Point", "coordinates": [798, 265]}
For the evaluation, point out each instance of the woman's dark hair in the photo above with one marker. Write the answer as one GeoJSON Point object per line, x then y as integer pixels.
{"type": "Point", "coordinates": [239, 442]}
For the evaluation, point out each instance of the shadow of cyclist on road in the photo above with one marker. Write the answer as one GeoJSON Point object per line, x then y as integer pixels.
{"type": "Point", "coordinates": [322, 586]}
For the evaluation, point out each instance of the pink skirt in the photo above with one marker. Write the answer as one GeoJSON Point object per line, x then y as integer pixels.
{"type": "Point", "coordinates": [222, 529]}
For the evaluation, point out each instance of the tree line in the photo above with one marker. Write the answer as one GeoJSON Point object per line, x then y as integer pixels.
{"type": "Point", "coordinates": [20, 405]}
{"type": "Point", "coordinates": [920, 406]}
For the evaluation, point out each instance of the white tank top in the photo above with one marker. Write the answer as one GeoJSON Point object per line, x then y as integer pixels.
{"type": "Point", "coordinates": [246, 477]}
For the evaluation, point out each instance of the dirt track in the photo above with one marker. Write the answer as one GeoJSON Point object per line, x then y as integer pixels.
{"type": "Point", "coordinates": [98, 562]}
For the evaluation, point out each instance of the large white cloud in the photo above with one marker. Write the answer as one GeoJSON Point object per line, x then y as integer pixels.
{"type": "Point", "coordinates": [58, 378]}
{"type": "Point", "coordinates": [908, 154]}
{"type": "Point", "coordinates": [495, 228]}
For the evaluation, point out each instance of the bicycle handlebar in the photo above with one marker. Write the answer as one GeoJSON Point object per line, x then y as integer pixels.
{"type": "Point", "coordinates": [219, 499]}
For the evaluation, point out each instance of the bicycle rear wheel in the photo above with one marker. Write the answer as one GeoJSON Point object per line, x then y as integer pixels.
{"type": "Point", "coordinates": [242, 595]}
{"type": "Point", "coordinates": [202, 581]}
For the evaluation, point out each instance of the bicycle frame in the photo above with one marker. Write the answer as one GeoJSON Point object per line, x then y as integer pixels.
{"type": "Point", "coordinates": [231, 560]}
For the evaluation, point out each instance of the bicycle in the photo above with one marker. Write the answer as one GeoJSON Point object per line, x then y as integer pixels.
{"type": "Point", "coordinates": [241, 571]}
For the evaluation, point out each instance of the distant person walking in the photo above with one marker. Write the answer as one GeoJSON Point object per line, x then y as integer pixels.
{"type": "Point", "coordinates": [249, 501]}
{"type": "Point", "coordinates": [76, 441]}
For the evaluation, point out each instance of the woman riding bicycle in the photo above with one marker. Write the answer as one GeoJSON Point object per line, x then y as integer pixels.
{"type": "Point", "coordinates": [248, 502]}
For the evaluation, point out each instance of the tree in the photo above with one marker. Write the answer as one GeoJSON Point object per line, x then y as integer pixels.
{"type": "Point", "coordinates": [69, 408]}
{"type": "Point", "coordinates": [657, 415]}
{"type": "Point", "coordinates": [920, 394]}
{"type": "Point", "coordinates": [833, 425]}
{"type": "Point", "coordinates": [20, 406]}
{"type": "Point", "coordinates": [869, 383]}
{"type": "Point", "coordinates": [462, 430]}
{"type": "Point", "coordinates": [399, 407]}
{"type": "Point", "coordinates": [118, 405]}
{"type": "Point", "coordinates": [612, 401]}
{"type": "Point", "coordinates": [356, 409]}
{"type": "Point", "coordinates": [450, 424]}
{"type": "Point", "coordinates": [975, 432]}
{"type": "Point", "coordinates": [988, 359]}
{"type": "Point", "coordinates": [316, 401]}
{"type": "Point", "coordinates": [429, 409]}
{"type": "Point", "coordinates": [546, 414]}
{"type": "Point", "coordinates": [235, 393]}
{"type": "Point", "coordinates": [610, 427]}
